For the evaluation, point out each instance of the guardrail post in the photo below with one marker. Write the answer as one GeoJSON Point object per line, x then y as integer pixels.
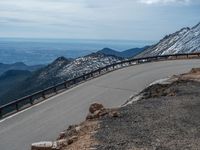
{"type": "Point", "coordinates": [1, 115]}
{"type": "Point", "coordinates": [74, 81]}
{"type": "Point", "coordinates": [84, 77]}
{"type": "Point", "coordinates": [31, 100]}
{"type": "Point", "coordinates": [55, 90]}
{"type": "Point", "coordinates": [17, 106]}
{"type": "Point", "coordinates": [65, 85]}
{"type": "Point", "coordinates": [106, 68]}
{"type": "Point", "coordinates": [91, 75]}
{"type": "Point", "coordinates": [43, 95]}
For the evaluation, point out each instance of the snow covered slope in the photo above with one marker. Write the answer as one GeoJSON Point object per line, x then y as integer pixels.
{"type": "Point", "coordinates": [187, 40]}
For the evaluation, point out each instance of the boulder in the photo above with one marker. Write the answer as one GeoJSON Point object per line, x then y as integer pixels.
{"type": "Point", "coordinates": [97, 114]}
{"type": "Point", "coordinates": [195, 70]}
{"type": "Point", "coordinates": [94, 107]}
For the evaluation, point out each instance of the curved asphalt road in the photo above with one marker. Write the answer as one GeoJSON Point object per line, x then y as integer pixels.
{"type": "Point", "coordinates": [46, 120]}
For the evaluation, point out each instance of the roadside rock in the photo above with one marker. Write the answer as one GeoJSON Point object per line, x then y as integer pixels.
{"type": "Point", "coordinates": [195, 70]}
{"type": "Point", "coordinates": [96, 111]}
{"type": "Point", "coordinates": [95, 106]}
{"type": "Point", "coordinates": [114, 114]}
{"type": "Point", "coordinates": [62, 135]}
{"type": "Point", "coordinates": [44, 146]}
{"type": "Point", "coordinates": [72, 140]}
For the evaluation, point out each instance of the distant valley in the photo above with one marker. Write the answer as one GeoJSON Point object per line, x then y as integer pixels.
{"type": "Point", "coordinates": [44, 51]}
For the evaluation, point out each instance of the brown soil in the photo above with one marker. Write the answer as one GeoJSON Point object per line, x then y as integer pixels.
{"type": "Point", "coordinates": [85, 139]}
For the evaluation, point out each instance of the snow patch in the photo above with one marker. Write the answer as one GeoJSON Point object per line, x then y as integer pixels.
{"type": "Point", "coordinates": [160, 81]}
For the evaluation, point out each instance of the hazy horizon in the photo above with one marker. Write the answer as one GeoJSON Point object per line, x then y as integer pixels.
{"type": "Point", "coordinates": [44, 51]}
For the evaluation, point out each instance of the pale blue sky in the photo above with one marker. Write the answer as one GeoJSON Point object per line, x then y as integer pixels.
{"type": "Point", "coordinates": [96, 19]}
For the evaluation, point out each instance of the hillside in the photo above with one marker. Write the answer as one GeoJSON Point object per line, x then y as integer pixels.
{"type": "Point", "coordinates": [18, 66]}
{"type": "Point", "coordinates": [186, 40]}
{"type": "Point", "coordinates": [124, 54]}
{"type": "Point", "coordinates": [58, 71]}
{"type": "Point", "coordinates": [12, 78]}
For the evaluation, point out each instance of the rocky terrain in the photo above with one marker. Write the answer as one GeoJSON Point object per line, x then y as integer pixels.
{"type": "Point", "coordinates": [164, 116]}
{"type": "Point", "coordinates": [186, 40]}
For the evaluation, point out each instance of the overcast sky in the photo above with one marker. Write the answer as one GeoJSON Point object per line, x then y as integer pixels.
{"type": "Point", "coordinates": [96, 19]}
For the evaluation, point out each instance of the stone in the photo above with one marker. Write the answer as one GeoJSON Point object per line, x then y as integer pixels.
{"type": "Point", "coordinates": [72, 140]}
{"type": "Point", "coordinates": [62, 135]}
{"type": "Point", "coordinates": [97, 114]}
{"type": "Point", "coordinates": [114, 114]}
{"type": "Point", "coordinates": [46, 145]}
{"type": "Point", "coordinates": [195, 70]}
{"type": "Point", "coordinates": [103, 112]}
{"type": "Point", "coordinates": [78, 128]}
{"type": "Point", "coordinates": [61, 143]}
{"type": "Point", "coordinates": [94, 107]}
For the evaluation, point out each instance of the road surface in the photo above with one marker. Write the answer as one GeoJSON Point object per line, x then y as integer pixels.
{"type": "Point", "coordinates": [46, 120]}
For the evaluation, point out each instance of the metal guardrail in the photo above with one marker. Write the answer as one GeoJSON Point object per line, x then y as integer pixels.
{"type": "Point", "coordinates": [30, 100]}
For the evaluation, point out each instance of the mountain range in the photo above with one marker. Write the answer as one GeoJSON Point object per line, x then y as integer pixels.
{"type": "Point", "coordinates": [12, 77]}
{"type": "Point", "coordinates": [186, 40]}
{"type": "Point", "coordinates": [18, 80]}
{"type": "Point", "coordinates": [58, 71]}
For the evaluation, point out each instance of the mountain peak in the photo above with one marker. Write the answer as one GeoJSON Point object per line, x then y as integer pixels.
{"type": "Point", "coordinates": [197, 26]}
{"type": "Point", "coordinates": [107, 49]}
{"type": "Point", "coordinates": [185, 40]}
{"type": "Point", "coordinates": [62, 58]}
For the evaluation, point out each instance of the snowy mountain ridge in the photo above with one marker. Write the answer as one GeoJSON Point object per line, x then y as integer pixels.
{"type": "Point", "coordinates": [60, 70]}
{"type": "Point", "coordinates": [186, 40]}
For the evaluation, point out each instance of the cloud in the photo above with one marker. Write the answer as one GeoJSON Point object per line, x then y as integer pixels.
{"type": "Point", "coordinates": [125, 19]}
{"type": "Point", "coordinates": [163, 1]}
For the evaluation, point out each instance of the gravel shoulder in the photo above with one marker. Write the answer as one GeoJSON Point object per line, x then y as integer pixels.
{"type": "Point", "coordinates": [167, 117]}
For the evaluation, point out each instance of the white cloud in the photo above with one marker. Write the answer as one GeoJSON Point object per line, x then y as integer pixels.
{"type": "Point", "coordinates": [163, 1]}
{"type": "Point", "coordinates": [128, 19]}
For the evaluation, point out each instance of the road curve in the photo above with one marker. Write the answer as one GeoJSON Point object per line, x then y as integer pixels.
{"type": "Point", "coordinates": [46, 120]}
